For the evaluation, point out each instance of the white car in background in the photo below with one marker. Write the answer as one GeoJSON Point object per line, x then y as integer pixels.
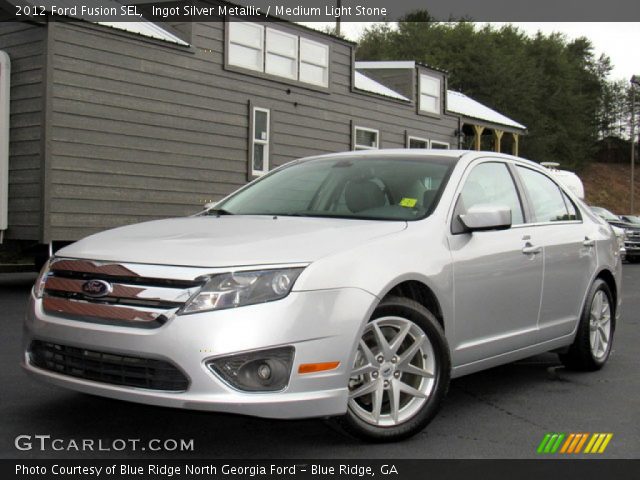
{"type": "Point", "coordinates": [567, 178]}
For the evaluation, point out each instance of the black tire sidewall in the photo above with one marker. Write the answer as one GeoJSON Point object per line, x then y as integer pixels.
{"type": "Point", "coordinates": [581, 348]}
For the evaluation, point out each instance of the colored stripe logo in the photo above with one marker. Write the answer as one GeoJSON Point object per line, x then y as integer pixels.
{"type": "Point", "coordinates": [573, 443]}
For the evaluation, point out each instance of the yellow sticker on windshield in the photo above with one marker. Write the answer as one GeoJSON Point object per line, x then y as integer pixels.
{"type": "Point", "coordinates": [408, 202]}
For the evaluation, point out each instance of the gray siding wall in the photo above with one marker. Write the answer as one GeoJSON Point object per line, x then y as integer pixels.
{"type": "Point", "coordinates": [142, 130]}
{"type": "Point", "coordinates": [25, 44]}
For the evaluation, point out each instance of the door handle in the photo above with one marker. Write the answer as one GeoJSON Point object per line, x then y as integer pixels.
{"type": "Point", "coordinates": [529, 249]}
{"type": "Point", "coordinates": [588, 242]}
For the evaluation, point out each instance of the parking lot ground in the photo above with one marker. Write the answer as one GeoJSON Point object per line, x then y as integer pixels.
{"type": "Point", "coordinates": [500, 413]}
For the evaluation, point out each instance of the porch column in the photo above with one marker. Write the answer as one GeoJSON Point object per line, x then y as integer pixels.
{"type": "Point", "coordinates": [497, 134]}
{"type": "Point", "coordinates": [514, 148]}
{"type": "Point", "coordinates": [477, 139]}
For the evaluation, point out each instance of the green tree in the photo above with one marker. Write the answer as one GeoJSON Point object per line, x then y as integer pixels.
{"type": "Point", "coordinates": [551, 85]}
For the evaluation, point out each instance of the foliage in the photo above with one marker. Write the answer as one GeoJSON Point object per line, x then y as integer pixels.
{"type": "Point", "coordinates": [550, 84]}
{"type": "Point", "coordinates": [616, 113]}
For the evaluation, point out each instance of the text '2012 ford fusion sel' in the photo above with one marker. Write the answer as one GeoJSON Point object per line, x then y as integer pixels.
{"type": "Point", "coordinates": [351, 286]}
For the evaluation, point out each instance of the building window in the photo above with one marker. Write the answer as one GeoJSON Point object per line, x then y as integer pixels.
{"type": "Point", "coordinates": [430, 94]}
{"type": "Point", "coordinates": [277, 53]}
{"type": "Point", "coordinates": [246, 45]}
{"type": "Point", "coordinates": [417, 142]}
{"type": "Point", "coordinates": [314, 62]}
{"type": "Point", "coordinates": [365, 138]}
{"type": "Point", "coordinates": [281, 56]}
{"type": "Point", "coordinates": [439, 145]}
{"type": "Point", "coordinates": [260, 141]}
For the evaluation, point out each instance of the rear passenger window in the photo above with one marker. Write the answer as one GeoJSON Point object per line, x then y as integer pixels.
{"type": "Point", "coordinates": [491, 184]}
{"type": "Point", "coordinates": [547, 200]}
{"type": "Point", "coordinates": [571, 208]}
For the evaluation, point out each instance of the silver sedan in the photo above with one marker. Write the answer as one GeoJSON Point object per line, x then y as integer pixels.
{"type": "Point", "coordinates": [352, 286]}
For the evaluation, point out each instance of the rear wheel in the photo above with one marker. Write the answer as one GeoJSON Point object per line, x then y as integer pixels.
{"type": "Point", "coordinates": [592, 346]}
{"type": "Point", "coordinates": [400, 374]}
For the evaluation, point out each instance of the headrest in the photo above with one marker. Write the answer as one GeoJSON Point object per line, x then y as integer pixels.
{"type": "Point", "coordinates": [427, 198]}
{"type": "Point", "coordinates": [362, 195]}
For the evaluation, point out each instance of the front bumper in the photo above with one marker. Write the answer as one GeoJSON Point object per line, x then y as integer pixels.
{"type": "Point", "coordinates": [321, 325]}
{"type": "Point", "coordinates": [632, 248]}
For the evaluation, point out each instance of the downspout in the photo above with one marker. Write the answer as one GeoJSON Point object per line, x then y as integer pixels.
{"type": "Point", "coordinates": [5, 82]}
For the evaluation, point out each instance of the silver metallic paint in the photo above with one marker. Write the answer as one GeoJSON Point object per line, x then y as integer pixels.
{"type": "Point", "coordinates": [504, 295]}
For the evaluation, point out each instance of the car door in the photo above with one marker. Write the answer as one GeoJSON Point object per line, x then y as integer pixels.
{"type": "Point", "coordinates": [497, 274]}
{"type": "Point", "coordinates": [569, 253]}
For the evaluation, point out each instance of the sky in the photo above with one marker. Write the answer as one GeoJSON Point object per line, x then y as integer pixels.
{"type": "Point", "coordinates": [619, 40]}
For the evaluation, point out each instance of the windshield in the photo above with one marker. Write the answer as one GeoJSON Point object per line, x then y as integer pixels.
{"type": "Point", "coordinates": [604, 213]}
{"type": "Point", "coordinates": [384, 188]}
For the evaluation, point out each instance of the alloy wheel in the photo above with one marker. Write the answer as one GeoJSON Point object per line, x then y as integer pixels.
{"type": "Point", "coordinates": [600, 324]}
{"type": "Point", "coordinates": [393, 373]}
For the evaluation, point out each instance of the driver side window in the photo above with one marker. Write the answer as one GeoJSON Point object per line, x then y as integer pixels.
{"type": "Point", "coordinates": [490, 183]}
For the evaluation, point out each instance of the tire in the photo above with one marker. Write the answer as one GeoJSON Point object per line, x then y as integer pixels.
{"type": "Point", "coordinates": [411, 364]}
{"type": "Point", "coordinates": [592, 346]}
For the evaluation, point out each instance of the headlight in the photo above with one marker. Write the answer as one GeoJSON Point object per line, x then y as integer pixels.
{"type": "Point", "coordinates": [230, 290]}
{"type": "Point", "coordinates": [38, 287]}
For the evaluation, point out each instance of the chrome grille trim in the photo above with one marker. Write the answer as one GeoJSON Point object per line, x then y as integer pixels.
{"type": "Point", "coordinates": [112, 313]}
{"type": "Point", "coordinates": [135, 298]}
{"type": "Point", "coordinates": [161, 295]}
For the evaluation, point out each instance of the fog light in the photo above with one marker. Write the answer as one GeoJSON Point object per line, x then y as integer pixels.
{"type": "Point", "coordinates": [264, 372]}
{"type": "Point", "coordinates": [259, 371]}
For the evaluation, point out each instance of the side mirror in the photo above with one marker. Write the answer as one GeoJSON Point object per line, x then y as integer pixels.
{"type": "Point", "coordinates": [486, 217]}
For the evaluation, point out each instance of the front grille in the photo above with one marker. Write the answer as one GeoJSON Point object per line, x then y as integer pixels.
{"type": "Point", "coordinates": [107, 367]}
{"type": "Point", "coordinates": [132, 295]}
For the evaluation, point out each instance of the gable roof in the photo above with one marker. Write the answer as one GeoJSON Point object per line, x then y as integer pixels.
{"type": "Point", "coordinates": [457, 102]}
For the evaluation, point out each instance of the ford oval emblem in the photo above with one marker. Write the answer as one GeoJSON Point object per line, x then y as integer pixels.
{"type": "Point", "coordinates": [97, 288]}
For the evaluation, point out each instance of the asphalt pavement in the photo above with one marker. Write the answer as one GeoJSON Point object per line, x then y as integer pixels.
{"type": "Point", "coordinates": [500, 413]}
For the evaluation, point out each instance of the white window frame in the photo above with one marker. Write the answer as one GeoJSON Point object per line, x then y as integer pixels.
{"type": "Point", "coordinates": [264, 51]}
{"type": "Point", "coordinates": [324, 64]}
{"type": "Point", "coordinates": [419, 139]}
{"type": "Point", "coordinates": [230, 42]}
{"type": "Point", "coordinates": [447, 145]}
{"type": "Point", "coordinates": [268, 50]}
{"type": "Point", "coordinates": [255, 141]}
{"type": "Point", "coordinates": [365, 129]}
{"type": "Point", "coordinates": [438, 98]}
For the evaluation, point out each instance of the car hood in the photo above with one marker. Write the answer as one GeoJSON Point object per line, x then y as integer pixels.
{"type": "Point", "coordinates": [623, 224]}
{"type": "Point", "coordinates": [211, 241]}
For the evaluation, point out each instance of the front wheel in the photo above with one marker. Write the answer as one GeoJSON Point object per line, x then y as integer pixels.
{"type": "Point", "coordinates": [400, 374]}
{"type": "Point", "coordinates": [592, 345]}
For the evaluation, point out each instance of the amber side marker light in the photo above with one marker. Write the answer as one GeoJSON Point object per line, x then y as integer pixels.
{"type": "Point", "coordinates": [317, 367]}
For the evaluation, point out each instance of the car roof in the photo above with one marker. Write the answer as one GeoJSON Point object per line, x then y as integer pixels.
{"type": "Point", "coordinates": [453, 155]}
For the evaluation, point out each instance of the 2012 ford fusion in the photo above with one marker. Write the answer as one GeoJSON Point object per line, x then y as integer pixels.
{"type": "Point", "coordinates": [352, 286]}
